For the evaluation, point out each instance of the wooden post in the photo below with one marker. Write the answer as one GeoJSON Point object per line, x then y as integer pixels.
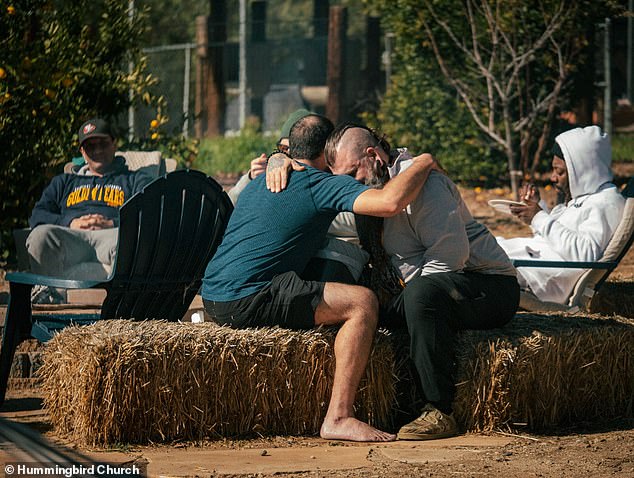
{"type": "Point", "coordinates": [335, 80]}
{"type": "Point", "coordinates": [373, 56]}
{"type": "Point", "coordinates": [211, 35]}
{"type": "Point", "coordinates": [202, 73]}
{"type": "Point", "coordinates": [258, 64]}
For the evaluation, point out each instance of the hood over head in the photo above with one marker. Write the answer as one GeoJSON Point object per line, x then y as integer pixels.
{"type": "Point", "coordinates": [588, 158]}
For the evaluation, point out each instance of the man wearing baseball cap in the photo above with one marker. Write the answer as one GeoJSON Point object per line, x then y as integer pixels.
{"type": "Point", "coordinates": [75, 221]}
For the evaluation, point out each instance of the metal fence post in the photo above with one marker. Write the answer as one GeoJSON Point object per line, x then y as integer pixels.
{"type": "Point", "coordinates": [607, 92]}
{"type": "Point", "coordinates": [130, 70]}
{"type": "Point", "coordinates": [186, 79]}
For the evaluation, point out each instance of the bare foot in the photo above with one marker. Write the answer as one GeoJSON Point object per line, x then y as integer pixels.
{"type": "Point", "coordinates": [349, 428]}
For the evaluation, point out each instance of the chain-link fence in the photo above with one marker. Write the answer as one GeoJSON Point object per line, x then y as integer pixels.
{"type": "Point", "coordinates": [173, 66]}
{"type": "Point", "coordinates": [283, 74]}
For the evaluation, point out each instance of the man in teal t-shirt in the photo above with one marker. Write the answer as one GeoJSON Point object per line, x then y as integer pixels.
{"type": "Point", "coordinates": [277, 233]}
{"type": "Point", "coordinates": [253, 278]}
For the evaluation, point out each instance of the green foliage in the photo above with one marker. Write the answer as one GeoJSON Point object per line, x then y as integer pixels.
{"type": "Point", "coordinates": [488, 87]}
{"type": "Point", "coordinates": [435, 123]}
{"type": "Point", "coordinates": [173, 21]}
{"type": "Point", "coordinates": [62, 62]}
{"type": "Point", "coordinates": [420, 110]}
{"type": "Point", "coordinates": [623, 148]}
{"type": "Point", "coordinates": [171, 144]}
{"type": "Point", "coordinates": [232, 155]}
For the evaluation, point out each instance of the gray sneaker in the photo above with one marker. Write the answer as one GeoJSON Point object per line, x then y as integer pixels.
{"type": "Point", "coordinates": [42, 294]}
{"type": "Point", "coordinates": [430, 425]}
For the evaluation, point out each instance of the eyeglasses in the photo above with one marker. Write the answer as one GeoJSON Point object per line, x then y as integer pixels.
{"type": "Point", "coordinates": [381, 140]}
{"type": "Point", "coordinates": [282, 147]}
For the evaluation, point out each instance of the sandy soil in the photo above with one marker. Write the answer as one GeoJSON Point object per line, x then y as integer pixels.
{"type": "Point", "coordinates": [589, 450]}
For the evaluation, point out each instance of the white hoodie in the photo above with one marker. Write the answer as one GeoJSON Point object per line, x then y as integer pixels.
{"type": "Point", "coordinates": [579, 230]}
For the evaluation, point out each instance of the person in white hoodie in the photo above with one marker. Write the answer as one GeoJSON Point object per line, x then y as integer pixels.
{"type": "Point", "coordinates": [578, 229]}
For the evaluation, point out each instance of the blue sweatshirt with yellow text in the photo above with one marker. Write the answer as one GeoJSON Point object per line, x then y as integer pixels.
{"type": "Point", "coordinates": [69, 196]}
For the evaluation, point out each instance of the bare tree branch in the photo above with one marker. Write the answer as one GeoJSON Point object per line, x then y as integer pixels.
{"type": "Point", "coordinates": [461, 89]}
{"type": "Point", "coordinates": [493, 65]}
{"type": "Point", "coordinates": [470, 56]}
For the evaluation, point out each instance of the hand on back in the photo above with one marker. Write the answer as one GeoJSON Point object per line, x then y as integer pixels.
{"type": "Point", "coordinates": [278, 170]}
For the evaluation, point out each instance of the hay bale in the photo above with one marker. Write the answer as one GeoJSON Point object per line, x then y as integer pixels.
{"type": "Point", "coordinates": [121, 381]}
{"type": "Point", "coordinates": [543, 371]}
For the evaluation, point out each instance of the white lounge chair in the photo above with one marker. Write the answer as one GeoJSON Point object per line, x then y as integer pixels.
{"type": "Point", "coordinates": [590, 282]}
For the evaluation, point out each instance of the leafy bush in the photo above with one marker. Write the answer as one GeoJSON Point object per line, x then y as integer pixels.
{"type": "Point", "coordinates": [512, 64]}
{"type": "Point", "coordinates": [623, 148]}
{"type": "Point", "coordinates": [62, 62]}
{"type": "Point", "coordinates": [232, 155]}
{"type": "Point", "coordinates": [171, 145]}
{"type": "Point", "coordinates": [437, 123]}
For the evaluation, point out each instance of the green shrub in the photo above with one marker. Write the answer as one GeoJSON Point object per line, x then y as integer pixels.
{"type": "Point", "coordinates": [429, 119]}
{"type": "Point", "coordinates": [61, 63]}
{"type": "Point", "coordinates": [171, 144]}
{"type": "Point", "coordinates": [232, 155]}
{"type": "Point", "coordinates": [623, 148]}
{"type": "Point", "coordinates": [480, 83]}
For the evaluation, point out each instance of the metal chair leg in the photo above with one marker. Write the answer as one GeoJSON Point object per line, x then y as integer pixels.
{"type": "Point", "coordinates": [17, 327]}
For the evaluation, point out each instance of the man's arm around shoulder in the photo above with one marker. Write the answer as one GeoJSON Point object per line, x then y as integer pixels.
{"type": "Point", "coordinates": [398, 192]}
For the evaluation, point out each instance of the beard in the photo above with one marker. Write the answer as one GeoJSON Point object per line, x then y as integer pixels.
{"type": "Point", "coordinates": [563, 194]}
{"type": "Point", "coordinates": [378, 175]}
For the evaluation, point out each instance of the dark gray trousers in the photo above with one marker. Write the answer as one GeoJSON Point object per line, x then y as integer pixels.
{"type": "Point", "coordinates": [434, 307]}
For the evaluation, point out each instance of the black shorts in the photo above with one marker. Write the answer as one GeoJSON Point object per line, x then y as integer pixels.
{"type": "Point", "coordinates": [287, 301]}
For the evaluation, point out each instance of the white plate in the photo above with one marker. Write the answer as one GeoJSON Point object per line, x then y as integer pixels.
{"type": "Point", "coordinates": [504, 205]}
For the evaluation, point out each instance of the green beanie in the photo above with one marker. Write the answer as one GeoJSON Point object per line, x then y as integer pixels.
{"type": "Point", "coordinates": [293, 118]}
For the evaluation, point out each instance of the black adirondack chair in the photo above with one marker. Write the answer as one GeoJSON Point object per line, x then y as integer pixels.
{"type": "Point", "coordinates": [168, 233]}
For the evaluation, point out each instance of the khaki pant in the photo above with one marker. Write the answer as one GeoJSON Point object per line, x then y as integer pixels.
{"type": "Point", "coordinates": [59, 251]}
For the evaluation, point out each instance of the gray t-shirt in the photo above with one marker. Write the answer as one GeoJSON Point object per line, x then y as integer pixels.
{"type": "Point", "coordinates": [436, 233]}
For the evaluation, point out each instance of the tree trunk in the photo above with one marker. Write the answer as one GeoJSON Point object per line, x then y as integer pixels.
{"type": "Point", "coordinates": [514, 173]}
{"type": "Point", "coordinates": [511, 154]}
{"type": "Point", "coordinates": [336, 63]}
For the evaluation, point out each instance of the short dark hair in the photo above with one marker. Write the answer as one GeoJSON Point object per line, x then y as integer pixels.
{"type": "Point", "coordinates": [557, 150]}
{"type": "Point", "coordinates": [308, 137]}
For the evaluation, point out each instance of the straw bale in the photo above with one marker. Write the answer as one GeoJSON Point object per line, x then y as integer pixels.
{"type": "Point", "coordinates": [122, 381]}
{"type": "Point", "coordinates": [614, 295]}
{"type": "Point", "coordinates": [544, 371]}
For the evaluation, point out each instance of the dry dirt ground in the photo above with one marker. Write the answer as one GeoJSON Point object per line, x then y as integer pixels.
{"type": "Point", "coordinates": [589, 450]}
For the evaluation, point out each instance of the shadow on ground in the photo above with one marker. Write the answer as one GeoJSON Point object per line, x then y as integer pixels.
{"type": "Point", "coordinates": [614, 298]}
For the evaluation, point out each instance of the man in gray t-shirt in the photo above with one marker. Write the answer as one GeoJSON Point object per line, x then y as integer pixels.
{"type": "Point", "coordinates": [456, 275]}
